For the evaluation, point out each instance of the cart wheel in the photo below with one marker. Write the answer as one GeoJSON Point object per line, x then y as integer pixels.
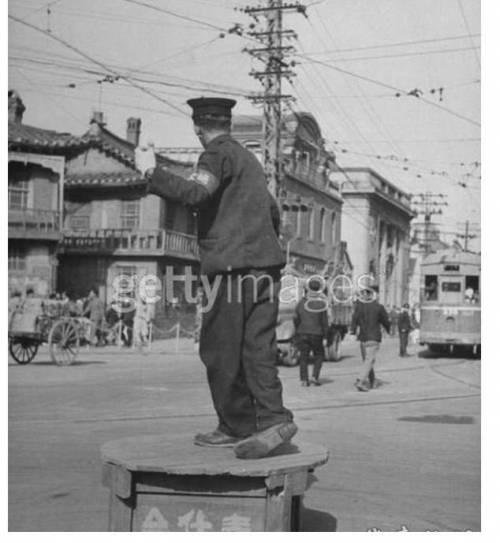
{"type": "Point", "coordinates": [23, 350]}
{"type": "Point", "coordinates": [333, 350]}
{"type": "Point", "coordinates": [64, 343]}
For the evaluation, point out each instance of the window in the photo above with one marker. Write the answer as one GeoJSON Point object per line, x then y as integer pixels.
{"type": "Point", "coordinates": [451, 286]}
{"type": "Point", "coordinates": [310, 229]}
{"type": "Point", "coordinates": [170, 213]}
{"type": "Point", "coordinates": [333, 228]}
{"type": "Point", "coordinates": [17, 259]}
{"type": "Point", "coordinates": [471, 288]}
{"type": "Point", "coordinates": [298, 223]}
{"type": "Point", "coordinates": [79, 222]}
{"type": "Point", "coordinates": [130, 214]}
{"type": "Point", "coordinates": [18, 194]}
{"type": "Point", "coordinates": [431, 287]}
{"type": "Point", "coordinates": [322, 218]}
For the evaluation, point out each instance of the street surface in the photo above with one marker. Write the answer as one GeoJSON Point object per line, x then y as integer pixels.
{"type": "Point", "coordinates": [403, 456]}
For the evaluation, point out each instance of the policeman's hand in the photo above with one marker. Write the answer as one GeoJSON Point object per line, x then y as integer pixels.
{"type": "Point", "coordinates": [145, 158]}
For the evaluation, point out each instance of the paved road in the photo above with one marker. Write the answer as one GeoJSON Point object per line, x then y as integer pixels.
{"type": "Point", "coordinates": [404, 455]}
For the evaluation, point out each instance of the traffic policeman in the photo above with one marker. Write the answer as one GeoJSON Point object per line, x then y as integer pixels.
{"type": "Point", "coordinates": [241, 257]}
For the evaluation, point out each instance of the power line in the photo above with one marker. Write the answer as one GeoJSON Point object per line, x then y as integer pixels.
{"type": "Point", "coordinates": [40, 8]}
{"type": "Point", "coordinates": [478, 60]}
{"type": "Point", "coordinates": [393, 44]}
{"type": "Point", "coordinates": [392, 87]}
{"type": "Point", "coordinates": [98, 63]}
{"type": "Point", "coordinates": [370, 109]}
{"type": "Point", "coordinates": [203, 85]}
{"type": "Point", "coordinates": [409, 54]}
{"type": "Point", "coordinates": [128, 106]}
{"type": "Point", "coordinates": [179, 16]}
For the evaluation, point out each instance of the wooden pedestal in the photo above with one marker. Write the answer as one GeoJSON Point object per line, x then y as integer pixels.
{"type": "Point", "coordinates": [168, 484]}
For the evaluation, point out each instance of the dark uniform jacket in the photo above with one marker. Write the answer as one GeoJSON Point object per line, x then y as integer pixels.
{"type": "Point", "coordinates": [404, 322]}
{"type": "Point", "coordinates": [311, 317]}
{"type": "Point", "coordinates": [369, 316]}
{"type": "Point", "coordinates": [237, 217]}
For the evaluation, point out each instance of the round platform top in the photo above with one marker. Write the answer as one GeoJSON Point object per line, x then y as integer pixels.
{"type": "Point", "coordinates": [178, 455]}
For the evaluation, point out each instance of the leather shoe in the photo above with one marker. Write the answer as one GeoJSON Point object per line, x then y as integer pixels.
{"type": "Point", "coordinates": [263, 443]}
{"type": "Point", "coordinates": [216, 439]}
{"type": "Point", "coordinates": [361, 386]}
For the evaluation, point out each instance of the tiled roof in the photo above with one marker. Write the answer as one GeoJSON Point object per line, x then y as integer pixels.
{"type": "Point", "coordinates": [30, 138]}
{"type": "Point", "coordinates": [27, 138]}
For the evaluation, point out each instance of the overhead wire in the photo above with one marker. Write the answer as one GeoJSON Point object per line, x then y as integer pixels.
{"type": "Point", "coordinates": [470, 35]}
{"type": "Point", "coordinates": [366, 104]}
{"type": "Point", "coordinates": [174, 14]}
{"type": "Point", "coordinates": [391, 87]}
{"type": "Point", "coordinates": [98, 63]}
{"type": "Point", "coordinates": [392, 44]}
{"type": "Point", "coordinates": [407, 54]}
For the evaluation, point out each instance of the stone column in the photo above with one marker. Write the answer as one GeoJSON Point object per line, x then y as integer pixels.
{"type": "Point", "coordinates": [382, 260]}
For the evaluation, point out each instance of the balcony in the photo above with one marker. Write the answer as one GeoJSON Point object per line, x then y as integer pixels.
{"type": "Point", "coordinates": [34, 224]}
{"type": "Point", "coordinates": [115, 241]}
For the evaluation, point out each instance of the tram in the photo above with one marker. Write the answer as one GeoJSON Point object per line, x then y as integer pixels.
{"type": "Point", "coordinates": [450, 308]}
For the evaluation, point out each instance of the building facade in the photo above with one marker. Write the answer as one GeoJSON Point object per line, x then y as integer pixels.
{"type": "Point", "coordinates": [376, 225]}
{"type": "Point", "coordinates": [35, 199]}
{"type": "Point", "coordinates": [112, 228]}
{"type": "Point", "coordinates": [309, 198]}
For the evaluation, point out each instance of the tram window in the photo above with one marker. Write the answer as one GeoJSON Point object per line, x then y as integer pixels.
{"type": "Point", "coordinates": [451, 286]}
{"type": "Point", "coordinates": [431, 287]}
{"type": "Point", "coordinates": [471, 288]}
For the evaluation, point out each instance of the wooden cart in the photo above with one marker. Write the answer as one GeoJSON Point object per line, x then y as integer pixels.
{"type": "Point", "coordinates": [35, 321]}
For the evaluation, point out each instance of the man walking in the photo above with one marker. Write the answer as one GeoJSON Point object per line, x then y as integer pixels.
{"type": "Point", "coordinates": [311, 329]}
{"type": "Point", "coordinates": [393, 318]}
{"type": "Point", "coordinates": [241, 259]}
{"type": "Point", "coordinates": [94, 310]}
{"type": "Point", "coordinates": [369, 315]}
{"type": "Point", "coordinates": [404, 329]}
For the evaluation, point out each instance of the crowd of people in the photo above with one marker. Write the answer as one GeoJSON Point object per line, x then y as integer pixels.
{"type": "Point", "coordinates": [124, 323]}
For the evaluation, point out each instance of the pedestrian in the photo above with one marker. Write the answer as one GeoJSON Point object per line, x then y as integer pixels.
{"type": "Point", "coordinates": [94, 310]}
{"type": "Point", "coordinates": [142, 321]}
{"type": "Point", "coordinates": [241, 259]}
{"type": "Point", "coordinates": [368, 317]}
{"type": "Point", "coordinates": [393, 317]}
{"type": "Point", "coordinates": [404, 329]}
{"type": "Point", "coordinates": [311, 329]}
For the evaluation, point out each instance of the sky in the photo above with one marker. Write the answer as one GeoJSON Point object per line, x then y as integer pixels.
{"type": "Point", "coordinates": [355, 63]}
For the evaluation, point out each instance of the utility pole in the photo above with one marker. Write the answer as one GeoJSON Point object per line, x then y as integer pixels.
{"type": "Point", "coordinates": [467, 235]}
{"type": "Point", "coordinates": [428, 204]}
{"type": "Point", "coordinates": [273, 54]}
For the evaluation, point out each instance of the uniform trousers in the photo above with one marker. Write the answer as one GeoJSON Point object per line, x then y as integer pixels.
{"type": "Point", "coordinates": [238, 348]}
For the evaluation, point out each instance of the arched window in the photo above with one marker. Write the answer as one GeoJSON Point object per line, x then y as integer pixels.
{"type": "Point", "coordinates": [322, 224]}
{"type": "Point", "coordinates": [333, 228]}
{"type": "Point", "coordinates": [312, 217]}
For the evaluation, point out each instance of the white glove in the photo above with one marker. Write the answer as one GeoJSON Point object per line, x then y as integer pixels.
{"type": "Point", "coordinates": [145, 158]}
